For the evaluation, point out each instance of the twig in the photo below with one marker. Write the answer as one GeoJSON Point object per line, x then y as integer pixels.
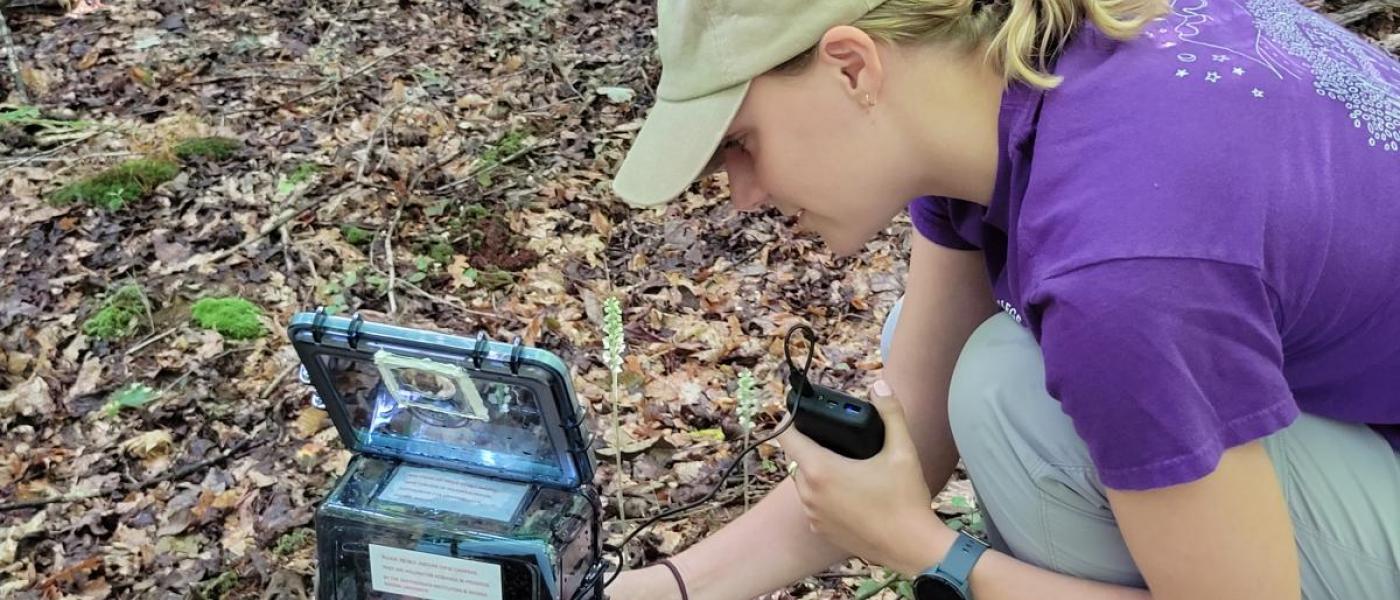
{"type": "Point", "coordinates": [883, 584]}
{"type": "Point", "coordinates": [446, 301]}
{"type": "Point", "coordinates": [32, 159]}
{"type": "Point", "coordinates": [389, 255]}
{"type": "Point", "coordinates": [491, 166]}
{"type": "Point", "coordinates": [267, 229]}
{"type": "Point", "coordinates": [286, 248]}
{"type": "Point", "coordinates": [246, 445]}
{"type": "Point", "coordinates": [276, 381]}
{"type": "Point", "coordinates": [322, 88]}
{"type": "Point", "coordinates": [369, 145]}
{"type": "Point", "coordinates": [55, 149]}
{"type": "Point", "coordinates": [1391, 43]}
{"type": "Point", "coordinates": [1361, 12]}
{"type": "Point", "coordinates": [12, 58]}
{"type": "Point", "coordinates": [151, 340]}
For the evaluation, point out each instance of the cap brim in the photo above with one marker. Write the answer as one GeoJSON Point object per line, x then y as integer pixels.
{"type": "Point", "coordinates": [674, 146]}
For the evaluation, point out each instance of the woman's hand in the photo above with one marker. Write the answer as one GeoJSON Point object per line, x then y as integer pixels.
{"type": "Point", "coordinates": [877, 509]}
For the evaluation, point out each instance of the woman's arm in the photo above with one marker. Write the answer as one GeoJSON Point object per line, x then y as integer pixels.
{"type": "Point", "coordinates": [1226, 536]}
{"type": "Point", "coordinates": [947, 296]}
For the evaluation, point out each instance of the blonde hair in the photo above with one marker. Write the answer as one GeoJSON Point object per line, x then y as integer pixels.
{"type": "Point", "coordinates": [1023, 36]}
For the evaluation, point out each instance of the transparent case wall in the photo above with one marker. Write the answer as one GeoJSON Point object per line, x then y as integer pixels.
{"type": "Point", "coordinates": [483, 407]}
{"type": "Point", "coordinates": [393, 530]}
{"type": "Point", "coordinates": [472, 478]}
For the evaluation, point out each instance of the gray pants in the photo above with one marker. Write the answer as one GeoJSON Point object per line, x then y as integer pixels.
{"type": "Point", "coordinates": [1044, 504]}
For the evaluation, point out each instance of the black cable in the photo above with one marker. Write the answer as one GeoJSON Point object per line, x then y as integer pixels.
{"type": "Point", "coordinates": [798, 380]}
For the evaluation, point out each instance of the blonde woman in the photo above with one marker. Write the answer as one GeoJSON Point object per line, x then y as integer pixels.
{"type": "Point", "coordinates": [1153, 302]}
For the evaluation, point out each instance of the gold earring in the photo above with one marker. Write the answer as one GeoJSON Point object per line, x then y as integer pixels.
{"type": "Point", "coordinates": [868, 101]}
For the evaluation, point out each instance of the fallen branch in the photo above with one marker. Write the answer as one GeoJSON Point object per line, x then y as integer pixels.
{"type": "Point", "coordinates": [244, 446]}
{"type": "Point", "coordinates": [267, 229]}
{"type": "Point", "coordinates": [389, 255]}
{"type": "Point", "coordinates": [1360, 12]}
{"type": "Point", "coordinates": [322, 88]}
{"type": "Point", "coordinates": [267, 389]}
{"type": "Point", "coordinates": [151, 340]}
{"type": "Point", "coordinates": [491, 166]}
{"type": "Point", "coordinates": [446, 301]}
{"type": "Point", "coordinates": [1391, 43]}
{"type": "Point", "coordinates": [12, 59]}
{"type": "Point", "coordinates": [56, 149]}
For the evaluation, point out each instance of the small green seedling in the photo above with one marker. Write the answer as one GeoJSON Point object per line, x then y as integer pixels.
{"type": "Point", "coordinates": [119, 316]}
{"type": "Point", "coordinates": [115, 187]}
{"type": "Point", "coordinates": [134, 395]}
{"type": "Point", "coordinates": [871, 586]}
{"type": "Point", "coordinates": [233, 318]}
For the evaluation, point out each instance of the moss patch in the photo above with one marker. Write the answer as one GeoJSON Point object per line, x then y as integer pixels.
{"type": "Point", "coordinates": [212, 148]}
{"type": "Point", "coordinates": [119, 316]}
{"type": "Point", "coordinates": [292, 541]}
{"type": "Point", "coordinates": [114, 188]}
{"type": "Point", "coordinates": [217, 587]}
{"type": "Point", "coordinates": [356, 235]}
{"type": "Point", "coordinates": [300, 175]}
{"type": "Point", "coordinates": [509, 144]}
{"type": "Point", "coordinates": [441, 252]}
{"type": "Point", "coordinates": [233, 318]}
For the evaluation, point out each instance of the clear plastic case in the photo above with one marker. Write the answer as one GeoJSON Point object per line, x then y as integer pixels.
{"type": "Point", "coordinates": [472, 477]}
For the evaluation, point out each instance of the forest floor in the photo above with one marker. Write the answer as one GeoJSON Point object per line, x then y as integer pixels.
{"type": "Point", "coordinates": [431, 163]}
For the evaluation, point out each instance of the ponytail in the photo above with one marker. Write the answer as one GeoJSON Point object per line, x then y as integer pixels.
{"type": "Point", "coordinates": [1034, 31]}
{"type": "Point", "coordinates": [1022, 36]}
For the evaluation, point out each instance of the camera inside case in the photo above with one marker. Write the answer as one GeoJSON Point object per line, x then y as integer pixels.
{"type": "Point", "coordinates": [471, 477]}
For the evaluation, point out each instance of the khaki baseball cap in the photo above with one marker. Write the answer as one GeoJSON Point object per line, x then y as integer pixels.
{"type": "Point", "coordinates": [710, 51]}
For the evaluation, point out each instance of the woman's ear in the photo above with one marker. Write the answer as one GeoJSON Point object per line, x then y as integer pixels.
{"type": "Point", "coordinates": [855, 57]}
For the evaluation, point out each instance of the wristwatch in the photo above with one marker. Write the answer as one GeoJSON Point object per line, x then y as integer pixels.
{"type": "Point", "coordinates": [948, 580]}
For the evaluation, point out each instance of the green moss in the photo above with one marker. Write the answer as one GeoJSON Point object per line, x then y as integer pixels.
{"type": "Point", "coordinates": [475, 212]}
{"type": "Point", "coordinates": [218, 586]}
{"type": "Point", "coordinates": [509, 144]}
{"type": "Point", "coordinates": [355, 235]}
{"type": "Point", "coordinates": [233, 318]}
{"type": "Point", "coordinates": [495, 279]}
{"type": "Point", "coordinates": [214, 148]}
{"type": "Point", "coordinates": [298, 176]}
{"type": "Point", "coordinates": [441, 252]}
{"type": "Point", "coordinates": [119, 316]}
{"type": "Point", "coordinates": [292, 541]}
{"type": "Point", "coordinates": [114, 188]}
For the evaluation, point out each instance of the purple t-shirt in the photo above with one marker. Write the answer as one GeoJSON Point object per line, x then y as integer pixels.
{"type": "Point", "coordinates": [1201, 227]}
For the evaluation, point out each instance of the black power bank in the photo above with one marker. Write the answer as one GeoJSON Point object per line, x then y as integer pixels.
{"type": "Point", "coordinates": [843, 424]}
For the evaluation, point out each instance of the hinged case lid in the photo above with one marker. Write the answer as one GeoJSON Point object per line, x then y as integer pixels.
{"type": "Point", "coordinates": [472, 405]}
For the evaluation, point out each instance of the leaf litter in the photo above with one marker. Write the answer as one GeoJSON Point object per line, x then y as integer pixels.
{"type": "Point", "coordinates": [431, 163]}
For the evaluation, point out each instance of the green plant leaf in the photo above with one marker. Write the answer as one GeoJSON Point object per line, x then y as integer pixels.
{"type": "Point", "coordinates": [134, 395]}
{"type": "Point", "coordinates": [618, 95]}
{"type": "Point", "coordinates": [713, 434]}
{"type": "Point", "coordinates": [868, 587]}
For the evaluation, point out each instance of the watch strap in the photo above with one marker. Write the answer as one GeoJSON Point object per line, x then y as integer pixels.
{"type": "Point", "coordinates": [956, 567]}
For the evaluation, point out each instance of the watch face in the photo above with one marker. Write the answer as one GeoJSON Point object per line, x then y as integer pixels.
{"type": "Point", "coordinates": [932, 588]}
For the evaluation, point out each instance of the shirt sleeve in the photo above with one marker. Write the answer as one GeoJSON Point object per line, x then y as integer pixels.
{"type": "Point", "coordinates": [1162, 364]}
{"type": "Point", "coordinates": [932, 217]}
